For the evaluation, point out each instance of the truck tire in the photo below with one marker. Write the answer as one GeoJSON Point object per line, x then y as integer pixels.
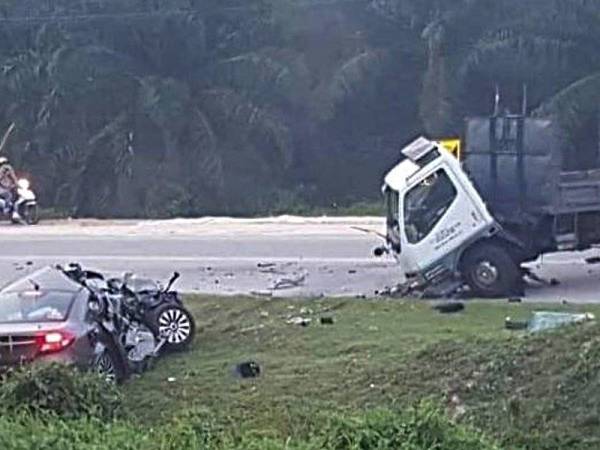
{"type": "Point", "coordinates": [490, 271]}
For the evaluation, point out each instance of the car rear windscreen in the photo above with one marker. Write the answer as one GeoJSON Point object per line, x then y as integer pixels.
{"type": "Point", "coordinates": [35, 306]}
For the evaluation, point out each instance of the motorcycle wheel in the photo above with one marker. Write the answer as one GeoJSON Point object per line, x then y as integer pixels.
{"type": "Point", "coordinates": [176, 324]}
{"type": "Point", "coordinates": [29, 214]}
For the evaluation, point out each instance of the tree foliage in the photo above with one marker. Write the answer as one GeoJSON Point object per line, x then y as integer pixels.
{"type": "Point", "coordinates": [202, 106]}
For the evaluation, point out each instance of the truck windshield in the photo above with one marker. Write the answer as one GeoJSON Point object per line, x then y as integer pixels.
{"type": "Point", "coordinates": [392, 201]}
{"type": "Point", "coordinates": [426, 203]}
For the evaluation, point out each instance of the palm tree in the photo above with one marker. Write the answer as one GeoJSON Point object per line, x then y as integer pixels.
{"type": "Point", "coordinates": [476, 44]}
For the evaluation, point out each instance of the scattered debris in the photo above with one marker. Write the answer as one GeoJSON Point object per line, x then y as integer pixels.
{"type": "Point", "coordinates": [264, 314]}
{"type": "Point", "coordinates": [327, 320]}
{"type": "Point", "coordinates": [287, 283]}
{"type": "Point", "coordinates": [261, 293]}
{"type": "Point", "coordinates": [352, 271]}
{"type": "Point", "coordinates": [528, 273]}
{"type": "Point", "coordinates": [171, 379]}
{"type": "Point", "coordinates": [265, 265]}
{"type": "Point", "coordinates": [29, 263]}
{"type": "Point", "coordinates": [272, 270]}
{"type": "Point", "coordinates": [510, 324]}
{"type": "Point", "coordinates": [253, 328]}
{"type": "Point", "coordinates": [515, 300]}
{"type": "Point", "coordinates": [298, 320]}
{"type": "Point", "coordinates": [248, 369]}
{"type": "Point", "coordinates": [548, 320]}
{"type": "Point", "coordinates": [449, 307]}
{"type": "Point", "coordinates": [593, 260]}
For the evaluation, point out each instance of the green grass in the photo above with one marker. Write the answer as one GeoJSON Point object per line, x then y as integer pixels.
{"type": "Point", "coordinates": [530, 391]}
{"type": "Point", "coordinates": [350, 385]}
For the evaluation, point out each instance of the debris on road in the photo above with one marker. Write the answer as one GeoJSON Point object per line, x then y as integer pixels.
{"type": "Point", "coordinates": [295, 280]}
{"type": "Point", "coordinates": [515, 300]}
{"type": "Point", "coordinates": [529, 274]}
{"type": "Point", "coordinates": [593, 260]}
{"type": "Point", "coordinates": [262, 293]}
{"type": "Point", "coordinates": [265, 265]}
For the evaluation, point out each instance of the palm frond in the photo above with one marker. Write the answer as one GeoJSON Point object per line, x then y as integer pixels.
{"type": "Point", "coordinates": [351, 79]}
{"type": "Point", "coordinates": [234, 111]}
{"type": "Point", "coordinates": [574, 102]}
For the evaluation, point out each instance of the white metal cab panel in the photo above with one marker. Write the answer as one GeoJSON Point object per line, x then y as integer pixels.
{"type": "Point", "coordinates": [438, 210]}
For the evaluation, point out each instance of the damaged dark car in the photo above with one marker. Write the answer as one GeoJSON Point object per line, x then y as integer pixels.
{"type": "Point", "coordinates": [113, 326]}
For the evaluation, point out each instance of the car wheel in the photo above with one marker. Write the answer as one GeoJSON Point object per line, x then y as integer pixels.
{"type": "Point", "coordinates": [175, 324]}
{"type": "Point", "coordinates": [109, 365]}
{"type": "Point", "coordinates": [490, 271]}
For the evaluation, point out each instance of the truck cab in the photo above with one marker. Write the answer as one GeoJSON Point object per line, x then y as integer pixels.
{"type": "Point", "coordinates": [434, 216]}
{"type": "Point", "coordinates": [512, 198]}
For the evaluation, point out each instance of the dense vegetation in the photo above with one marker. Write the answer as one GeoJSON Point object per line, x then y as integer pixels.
{"type": "Point", "coordinates": [132, 108]}
{"type": "Point", "coordinates": [85, 420]}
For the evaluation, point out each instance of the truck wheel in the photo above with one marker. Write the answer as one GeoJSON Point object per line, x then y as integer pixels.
{"type": "Point", "coordinates": [490, 271]}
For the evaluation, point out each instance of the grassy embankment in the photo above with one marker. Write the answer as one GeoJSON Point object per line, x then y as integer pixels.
{"type": "Point", "coordinates": [319, 382]}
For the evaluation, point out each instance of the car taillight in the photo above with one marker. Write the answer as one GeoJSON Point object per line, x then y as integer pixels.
{"type": "Point", "coordinates": [54, 341]}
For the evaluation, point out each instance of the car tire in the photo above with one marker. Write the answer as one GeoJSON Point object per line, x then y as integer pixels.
{"type": "Point", "coordinates": [175, 323]}
{"type": "Point", "coordinates": [490, 271]}
{"type": "Point", "coordinates": [109, 363]}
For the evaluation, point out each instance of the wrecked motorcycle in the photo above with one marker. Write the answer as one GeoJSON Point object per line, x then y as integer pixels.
{"type": "Point", "coordinates": [161, 309]}
{"type": "Point", "coordinates": [144, 318]}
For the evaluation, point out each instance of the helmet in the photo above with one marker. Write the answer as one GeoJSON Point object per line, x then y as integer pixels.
{"type": "Point", "coordinates": [3, 160]}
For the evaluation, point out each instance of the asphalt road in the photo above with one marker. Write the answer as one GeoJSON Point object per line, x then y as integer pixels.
{"type": "Point", "coordinates": [227, 256]}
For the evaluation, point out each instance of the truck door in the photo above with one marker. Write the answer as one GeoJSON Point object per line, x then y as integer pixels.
{"type": "Point", "coordinates": [437, 218]}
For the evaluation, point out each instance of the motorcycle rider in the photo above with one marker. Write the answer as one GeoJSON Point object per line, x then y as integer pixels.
{"type": "Point", "coordinates": [8, 186]}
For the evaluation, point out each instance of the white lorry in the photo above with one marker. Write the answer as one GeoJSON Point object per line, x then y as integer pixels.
{"type": "Point", "coordinates": [475, 222]}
